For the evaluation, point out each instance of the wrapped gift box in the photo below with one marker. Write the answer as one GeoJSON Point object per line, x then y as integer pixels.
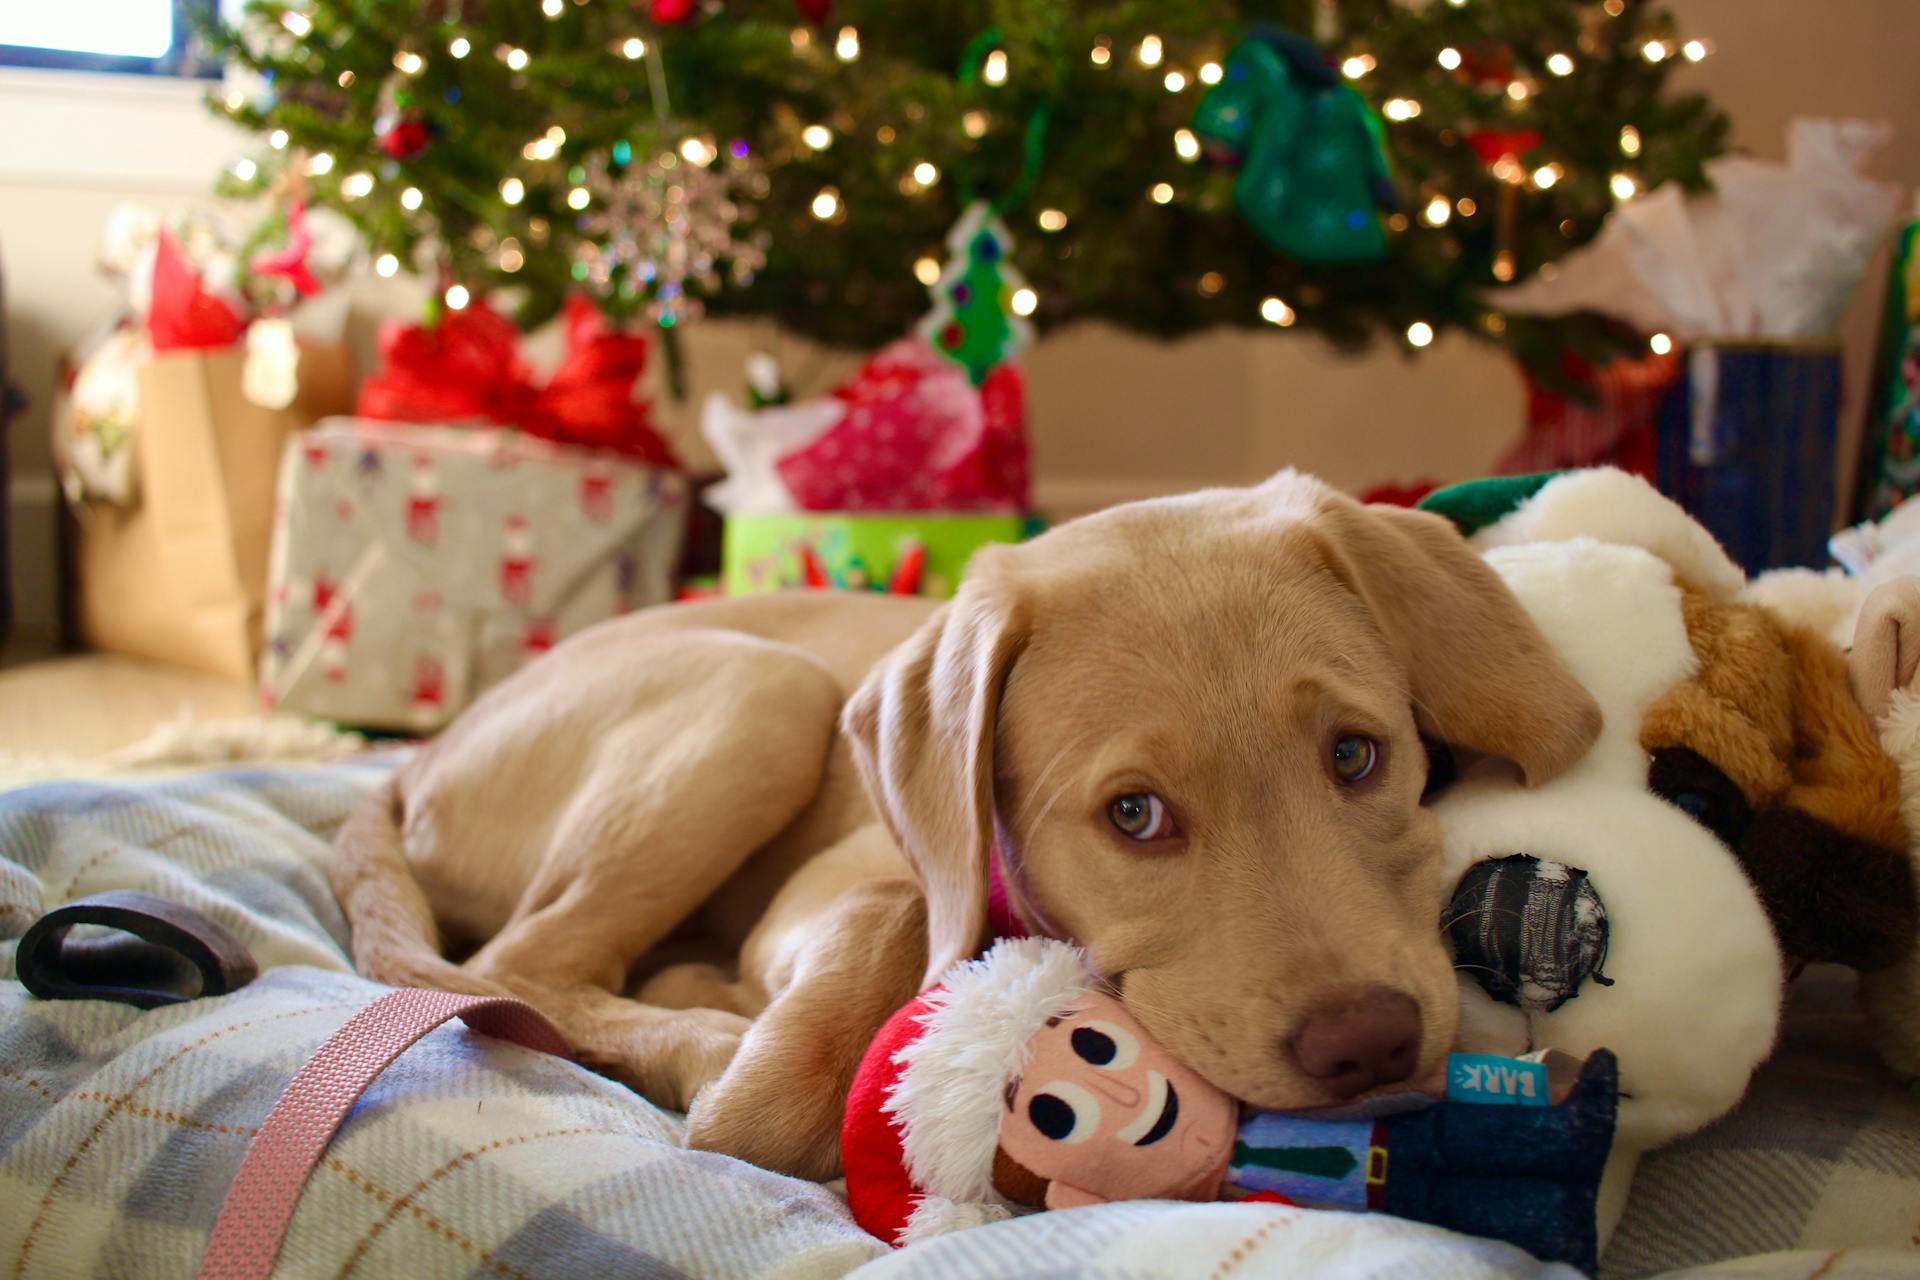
{"type": "Point", "coordinates": [415, 566]}
{"type": "Point", "coordinates": [912, 552]}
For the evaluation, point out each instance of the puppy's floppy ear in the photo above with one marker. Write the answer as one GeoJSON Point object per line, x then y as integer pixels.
{"type": "Point", "coordinates": [1481, 673]}
{"type": "Point", "coordinates": [1886, 645]}
{"type": "Point", "coordinates": [921, 728]}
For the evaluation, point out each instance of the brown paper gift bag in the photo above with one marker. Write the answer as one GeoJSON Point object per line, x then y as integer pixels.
{"type": "Point", "coordinates": [181, 576]}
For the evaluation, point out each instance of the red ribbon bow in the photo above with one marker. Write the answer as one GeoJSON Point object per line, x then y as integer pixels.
{"type": "Point", "coordinates": [468, 366]}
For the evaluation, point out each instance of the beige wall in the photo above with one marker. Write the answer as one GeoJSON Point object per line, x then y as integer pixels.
{"type": "Point", "coordinates": [1114, 417]}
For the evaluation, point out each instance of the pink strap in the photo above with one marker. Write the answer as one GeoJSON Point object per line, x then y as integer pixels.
{"type": "Point", "coordinates": [253, 1220]}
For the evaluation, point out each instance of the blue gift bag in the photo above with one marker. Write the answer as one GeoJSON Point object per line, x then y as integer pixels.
{"type": "Point", "coordinates": [1747, 445]}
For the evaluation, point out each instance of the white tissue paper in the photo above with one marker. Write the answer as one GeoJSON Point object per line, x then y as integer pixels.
{"type": "Point", "coordinates": [1774, 252]}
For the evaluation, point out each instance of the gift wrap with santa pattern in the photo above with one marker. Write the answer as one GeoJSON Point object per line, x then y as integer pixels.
{"type": "Point", "coordinates": [414, 566]}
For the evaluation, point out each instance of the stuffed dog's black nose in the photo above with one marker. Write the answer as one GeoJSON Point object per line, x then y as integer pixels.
{"type": "Point", "coordinates": [1360, 1039]}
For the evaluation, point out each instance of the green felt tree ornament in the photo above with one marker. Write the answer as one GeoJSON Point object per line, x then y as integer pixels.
{"type": "Point", "coordinates": [973, 321]}
{"type": "Point", "coordinates": [1313, 165]}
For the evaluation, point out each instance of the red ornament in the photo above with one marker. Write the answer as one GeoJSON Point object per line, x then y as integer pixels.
{"type": "Point", "coordinates": [1495, 145]}
{"type": "Point", "coordinates": [670, 10]}
{"type": "Point", "coordinates": [814, 10]}
{"type": "Point", "coordinates": [404, 136]}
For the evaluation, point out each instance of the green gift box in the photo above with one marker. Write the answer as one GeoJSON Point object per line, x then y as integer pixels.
{"type": "Point", "coordinates": [925, 550]}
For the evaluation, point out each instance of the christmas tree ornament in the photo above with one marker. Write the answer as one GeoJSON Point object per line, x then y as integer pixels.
{"type": "Point", "coordinates": [670, 11]}
{"type": "Point", "coordinates": [973, 321]}
{"type": "Point", "coordinates": [1313, 163]}
{"type": "Point", "coordinates": [402, 135]}
{"type": "Point", "coordinates": [815, 11]}
{"type": "Point", "coordinates": [668, 231]}
{"type": "Point", "coordinates": [289, 262]}
{"type": "Point", "coordinates": [1501, 152]}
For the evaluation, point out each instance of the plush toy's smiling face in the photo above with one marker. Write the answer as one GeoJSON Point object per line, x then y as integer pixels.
{"type": "Point", "coordinates": [1098, 1107]}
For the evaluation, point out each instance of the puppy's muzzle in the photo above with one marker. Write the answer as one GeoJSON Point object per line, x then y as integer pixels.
{"type": "Point", "coordinates": [1359, 1040]}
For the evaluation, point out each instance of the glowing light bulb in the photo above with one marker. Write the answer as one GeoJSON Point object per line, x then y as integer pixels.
{"type": "Point", "coordinates": [1175, 81]}
{"type": "Point", "coordinates": [553, 8]}
{"type": "Point", "coordinates": [409, 63]}
{"type": "Point", "coordinates": [847, 46]}
{"type": "Point", "coordinates": [1024, 302]}
{"type": "Point", "coordinates": [1629, 141]}
{"type": "Point", "coordinates": [1624, 187]}
{"type": "Point", "coordinates": [1052, 220]}
{"type": "Point", "coordinates": [356, 185]}
{"type": "Point", "coordinates": [1694, 50]}
{"type": "Point", "coordinates": [926, 174]}
{"type": "Point", "coordinates": [1211, 283]}
{"type": "Point", "coordinates": [1150, 51]}
{"type": "Point", "coordinates": [244, 169]}
{"type": "Point", "coordinates": [1162, 192]}
{"type": "Point", "coordinates": [345, 79]}
{"type": "Point", "coordinates": [1400, 109]}
{"type": "Point", "coordinates": [1466, 206]}
{"type": "Point", "coordinates": [1353, 68]}
{"type": "Point", "coordinates": [411, 198]}
{"type": "Point", "coordinates": [387, 265]}
{"type": "Point", "coordinates": [1186, 145]}
{"type": "Point", "coordinates": [516, 59]}
{"type": "Point", "coordinates": [1101, 53]}
{"type": "Point", "coordinates": [1449, 58]}
{"type": "Point", "coordinates": [458, 298]}
{"type": "Point", "coordinates": [926, 271]}
{"type": "Point", "coordinates": [995, 69]}
{"type": "Point", "coordinates": [826, 203]}
{"type": "Point", "coordinates": [513, 191]}
{"type": "Point", "coordinates": [277, 139]}
{"type": "Point", "coordinates": [817, 136]}
{"type": "Point", "coordinates": [1653, 51]}
{"type": "Point", "coordinates": [579, 198]}
{"type": "Point", "coordinates": [1437, 212]}
{"type": "Point", "coordinates": [321, 163]}
{"type": "Point", "coordinates": [460, 47]}
{"type": "Point", "coordinates": [633, 49]}
{"type": "Point", "coordinates": [974, 124]}
{"type": "Point", "coordinates": [1419, 333]}
{"type": "Point", "coordinates": [1560, 64]}
{"type": "Point", "coordinates": [1660, 343]}
{"type": "Point", "coordinates": [1210, 73]}
{"type": "Point", "coordinates": [1517, 90]}
{"type": "Point", "coordinates": [1545, 177]}
{"type": "Point", "coordinates": [298, 23]}
{"type": "Point", "coordinates": [511, 258]}
{"type": "Point", "coordinates": [1274, 311]}
{"type": "Point", "coordinates": [698, 151]}
{"type": "Point", "coordinates": [801, 37]}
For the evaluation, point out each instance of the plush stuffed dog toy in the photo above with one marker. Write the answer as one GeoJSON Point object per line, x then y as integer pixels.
{"type": "Point", "coordinates": [1736, 817]}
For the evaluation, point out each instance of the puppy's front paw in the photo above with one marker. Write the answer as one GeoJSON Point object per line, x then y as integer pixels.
{"type": "Point", "coordinates": [766, 1117]}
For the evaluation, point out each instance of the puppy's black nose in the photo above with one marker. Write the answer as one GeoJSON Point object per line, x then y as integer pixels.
{"type": "Point", "coordinates": [1357, 1040]}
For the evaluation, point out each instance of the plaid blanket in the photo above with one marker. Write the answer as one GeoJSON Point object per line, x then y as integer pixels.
{"type": "Point", "coordinates": [120, 1129]}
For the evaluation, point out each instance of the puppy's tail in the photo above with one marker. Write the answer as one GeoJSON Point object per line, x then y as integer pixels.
{"type": "Point", "coordinates": [395, 939]}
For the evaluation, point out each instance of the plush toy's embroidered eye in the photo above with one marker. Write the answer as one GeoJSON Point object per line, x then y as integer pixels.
{"type": "Point", "coordinates": [1105, 1045]}
{"type": "Point", "coordinates": [1354, 755]}
{"type": "Point", "coordinates": [1064, 1112]}
{"type": "Point", "coordinates": [1141, 815]}
{"type": "Point", "coordinates": [1700, 789]}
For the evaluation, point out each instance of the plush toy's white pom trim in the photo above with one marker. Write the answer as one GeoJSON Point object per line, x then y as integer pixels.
{"type": "Point", "coordinates": [933, 1216]}
{"type": "Point", "coordinates": [1608, 505]}
{"type": "Point", "coordinates": [948, 1100]}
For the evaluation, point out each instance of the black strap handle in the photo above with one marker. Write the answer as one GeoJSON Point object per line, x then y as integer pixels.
{"type": "Point", "coordinates": [166, 953]}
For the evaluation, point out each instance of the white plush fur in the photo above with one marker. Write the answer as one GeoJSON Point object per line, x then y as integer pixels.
{"type": "Point", "coordinates": [948, 1098]}
{"type": "Point", "coordinates": [1612, 506]}
{"type": "Point", "coordinates": [1892, 996]}
{"type": "Point", "coordinates": [1826, 601]}
{"type": "Point", "coordinates": [1698, 977]}
{"type": "Point", "coordinates": [933, 1216]}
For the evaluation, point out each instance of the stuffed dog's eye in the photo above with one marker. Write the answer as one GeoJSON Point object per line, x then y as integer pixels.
{"type": "Point", "coordinates": [1354, 755]}
{"type": "Point", "coordinates": [1064, 1112]}
{"type": "Point", "coordinates": [1700, 789]}
{"type": "Point", "coordinates": [1140, 815]}
{"type": "Point", "coordinates": [1104, 1045]}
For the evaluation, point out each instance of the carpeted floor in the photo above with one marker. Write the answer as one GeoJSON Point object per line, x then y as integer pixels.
{"type": "Point", "coordinates": [89, 704]}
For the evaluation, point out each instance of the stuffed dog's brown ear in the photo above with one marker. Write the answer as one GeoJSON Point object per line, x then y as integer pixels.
{"type": "Point", "coordinates": [1886, 645]}
{"type": "Point", "coordinates": [921, 728]}
{"type": "Point", "coordinates": [1481, 674]}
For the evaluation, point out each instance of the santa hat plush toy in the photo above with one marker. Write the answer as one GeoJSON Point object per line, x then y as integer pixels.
{"type": "Point", "coordinates": [923, 1117]}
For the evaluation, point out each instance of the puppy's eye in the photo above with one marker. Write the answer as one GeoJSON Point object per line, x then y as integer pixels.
{"type": "Point", "coordinates": [1104, 1045]}
{"type": "Point", "coordinates": [1354, 755]}
{"type": "Point", "coordinates": [1141, 815]}
{"type": "Point", "coordinates": [1064, 1112]}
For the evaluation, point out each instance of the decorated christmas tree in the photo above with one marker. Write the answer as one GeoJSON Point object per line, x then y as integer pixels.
{"type": "Point", "coordinates": [1344, 166]}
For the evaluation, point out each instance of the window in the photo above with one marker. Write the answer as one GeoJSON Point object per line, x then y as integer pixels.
{"type": "Point", "coordinates": [151, 37]}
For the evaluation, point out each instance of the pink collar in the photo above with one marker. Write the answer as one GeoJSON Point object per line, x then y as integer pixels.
{"type": "Point", "coordinates": [1002, 920]}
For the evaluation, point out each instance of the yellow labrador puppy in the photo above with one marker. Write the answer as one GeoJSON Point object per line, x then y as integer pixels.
{"type": "Point", "coordinates": [1186, 734]}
